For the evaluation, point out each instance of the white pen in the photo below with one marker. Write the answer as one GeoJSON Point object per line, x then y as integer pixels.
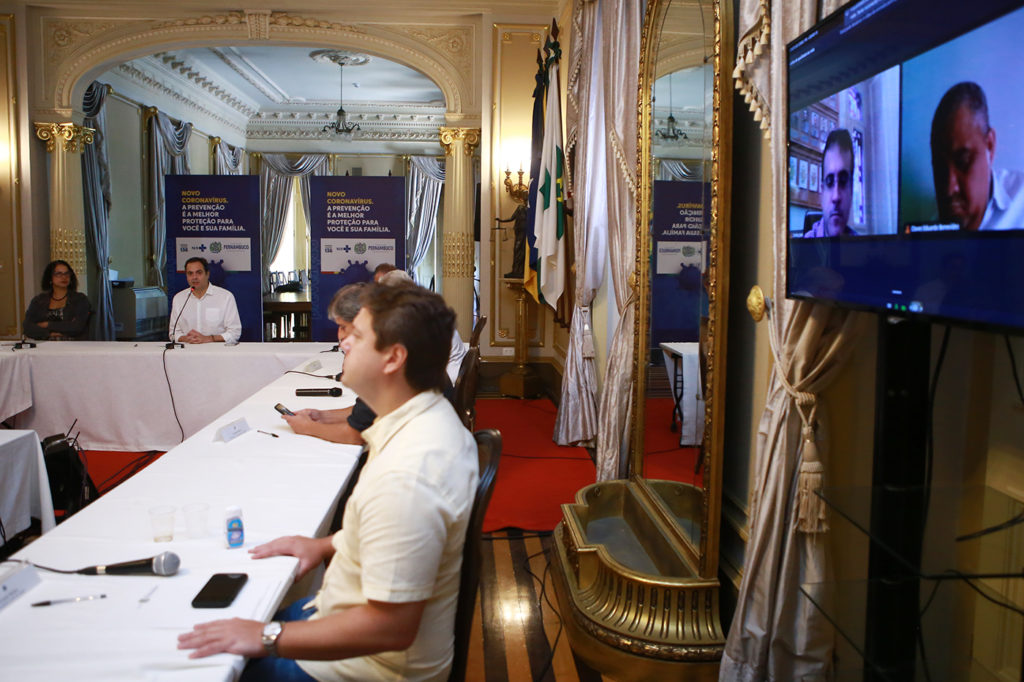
{"type": "Point", "coordinates": [51, 602]}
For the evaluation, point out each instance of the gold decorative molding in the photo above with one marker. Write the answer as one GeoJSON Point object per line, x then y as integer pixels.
{"type": "Point", "coordinates": [455, 44]}
{"type": "Point", "coordinates": [458, 254]}
{"type": "Point", "coordinates": [259, 24]}
{"type": "Point", "coordinates": [470, 139]}
{"type": "Point", "coordinates": [68, 243]}
{"type": "Point", "coordinates": [74, 137]}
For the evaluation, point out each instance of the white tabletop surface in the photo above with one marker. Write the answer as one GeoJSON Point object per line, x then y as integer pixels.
{"type": "Point", "coordinates": [285, 485]}
{"type": "Point", "coordinates": [126, 396]}
{"type": "Point", "coordinates": [24, 487]}
{"type": "Point", "coordinates": [15, 382]}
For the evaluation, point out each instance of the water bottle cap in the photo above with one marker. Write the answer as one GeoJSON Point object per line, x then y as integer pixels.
{"type": "Point", "coordinates": [232, 511]}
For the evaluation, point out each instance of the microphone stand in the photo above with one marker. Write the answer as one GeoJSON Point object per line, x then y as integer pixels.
{"type": "Point", "coordinates": [172, 343]}
{"type": "Point", "coordinates": [24, 343]}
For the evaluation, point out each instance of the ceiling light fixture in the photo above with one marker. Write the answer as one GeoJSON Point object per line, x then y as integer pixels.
{"type": "Point", "coordinates": [670, 132]}
{"type": "Point", "coordinates": [340, 126]}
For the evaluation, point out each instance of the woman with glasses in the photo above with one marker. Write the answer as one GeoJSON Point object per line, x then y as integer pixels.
{"type": "Point", "coordinates": [60, 312]}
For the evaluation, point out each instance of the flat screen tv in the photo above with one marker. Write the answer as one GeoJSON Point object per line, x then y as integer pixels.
{"type": "Point", "coordinates": [906, 161]}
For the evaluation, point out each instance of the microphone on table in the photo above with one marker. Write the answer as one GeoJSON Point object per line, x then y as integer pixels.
{"type": "Point", "coordinates": [165, 563]}
{"type": "Point", "coordinates": [334, 392]}
{"type": "Point", "coordinates": [24, 343]}
{"type": "Point", "coordinates": [172, 343]}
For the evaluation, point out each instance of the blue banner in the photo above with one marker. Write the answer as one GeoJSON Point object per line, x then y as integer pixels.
{"type": "Point", "coordinates": [679, 241]}
{"type": "Point", "coordinates": [356, 223]}
{"type": "Point", "coordinates": [217, 217]}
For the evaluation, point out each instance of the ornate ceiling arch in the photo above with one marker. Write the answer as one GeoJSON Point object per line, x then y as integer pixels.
{"type": "Point", "coordinates": [75, 50]}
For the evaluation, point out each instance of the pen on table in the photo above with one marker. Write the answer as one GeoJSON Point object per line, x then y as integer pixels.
{"type": "Point", "coordinates": [274, 435]}
{"type": "Point", "coordinates": [51, 602]}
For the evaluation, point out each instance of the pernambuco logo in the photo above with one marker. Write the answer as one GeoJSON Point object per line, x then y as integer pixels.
{"type": "Point", "coordinates": [359, 248]}
{"type": "Point", "coordinates": [215, 247]}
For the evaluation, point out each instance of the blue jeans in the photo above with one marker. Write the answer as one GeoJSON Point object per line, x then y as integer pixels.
{"type": "Point", "coordinates": [272, 668]}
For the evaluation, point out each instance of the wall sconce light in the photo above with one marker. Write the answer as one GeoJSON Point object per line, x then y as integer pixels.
{"type": "Point", "coordinates": [519, 191]}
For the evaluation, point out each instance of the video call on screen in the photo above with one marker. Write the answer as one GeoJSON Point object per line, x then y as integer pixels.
{"type": "Point", "coordinates": [915, 205]}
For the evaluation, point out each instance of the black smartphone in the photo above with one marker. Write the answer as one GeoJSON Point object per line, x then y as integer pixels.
{"type": "Point", "coordinates": [219, 591]}
{"type": "Point", "coordinates": [284, 410]}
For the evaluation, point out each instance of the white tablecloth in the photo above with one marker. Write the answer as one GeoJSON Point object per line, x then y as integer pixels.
{"type": "Point", "coordinates": [15, 383]}
{"type": "Point", "coordinates": [682, 363]}
{"type": "Point", "coordinates": [285, 485]}
{"type": "Point", "coordinates": [24, 487]}
{"type": "Point", "coordinates": [122, 397]}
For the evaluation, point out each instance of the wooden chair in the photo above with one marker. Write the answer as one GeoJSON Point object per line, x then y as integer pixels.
{"type": "Point", "coordinates": [478, 328]}
{"type": "Point", "coordinates": [488, 443]}
{"type": "Point", "coordinates": [465, 387]}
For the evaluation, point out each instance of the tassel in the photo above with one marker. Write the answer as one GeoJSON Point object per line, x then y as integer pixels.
{"type": "Point", "coordinates": [811, 516]}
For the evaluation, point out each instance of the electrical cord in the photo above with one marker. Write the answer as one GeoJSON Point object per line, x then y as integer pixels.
{"type": "Point", "coordinates": [929, 436]}
{"type": "Point", "coordinates": [541, 599]}
{"type": "Point", "coordinates": [170, 391]}
{"type": "Point", "coordinates": [1013, 367]}
{"type": "Point", "coordinates": [336, 377]}
{"type": "Point", "coordinates": [40, 567]}
{"type": "Point", "coordinates": [1019, 518]}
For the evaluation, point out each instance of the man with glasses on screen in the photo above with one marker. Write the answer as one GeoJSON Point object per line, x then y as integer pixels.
{"type": "Point", "coordinates": [968, 191]}
{"type": "Point", "coordinates": [836, 187]}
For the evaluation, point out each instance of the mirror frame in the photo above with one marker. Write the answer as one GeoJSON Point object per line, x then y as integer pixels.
{"type": "Point", "coordinates": [722, 56]}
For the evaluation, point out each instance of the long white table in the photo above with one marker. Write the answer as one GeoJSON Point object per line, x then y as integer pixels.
{"type": "Point", "coordinates": [15, 382]}
{"type": "Point", "coordinates": [285, 485]}
{"type": "Point", "coordinates": [125, 395]}
{"type": "Point", "coordinates": [24, 486]}
{"type": "Point", "coordinates": [682, 364]}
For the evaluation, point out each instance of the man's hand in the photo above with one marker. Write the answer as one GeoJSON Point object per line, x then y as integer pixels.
{"type": "Point", "coordinates": [235, 636]}
{"type": "Point", "coordinates": [309, 551]}
{"type": "Point", "coordinates": [304, 423]}
{"type": "Point", "coordinates": [195, 337]}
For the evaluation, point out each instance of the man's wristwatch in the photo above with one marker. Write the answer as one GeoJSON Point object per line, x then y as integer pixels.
{"type": "Point", "coordinates": [271, 631]}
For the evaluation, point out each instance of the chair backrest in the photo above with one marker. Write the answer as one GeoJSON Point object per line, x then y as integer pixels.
{"type": "Point", "coordinates": [488, 444]}
{"type": "Point", "coordinates": [478, 328]}
{"type": "Point", "coordinates": [465, 387]}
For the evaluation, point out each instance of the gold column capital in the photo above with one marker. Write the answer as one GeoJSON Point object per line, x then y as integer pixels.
{"type": "Point", "coordinates": [75, 137]}
{"type": "Point", "coordinates": [469, 136]}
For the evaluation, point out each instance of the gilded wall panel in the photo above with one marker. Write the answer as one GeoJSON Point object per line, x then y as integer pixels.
{"type": "Point", "coordinates": [13, 300]}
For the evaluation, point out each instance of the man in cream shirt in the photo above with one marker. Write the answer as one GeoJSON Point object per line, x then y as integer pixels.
{"type": "Point", "coordinates": [208, 312]}
{"type": "Point", "coordinates": [386, 610]}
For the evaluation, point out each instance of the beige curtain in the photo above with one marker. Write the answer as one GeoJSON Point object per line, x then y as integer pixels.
{"type": "Point", "coordinates": [587, 194]}
{"type": "Point", "coordinates": [776, 633]}
{"type": "Point", "coordinates": [621, 22]}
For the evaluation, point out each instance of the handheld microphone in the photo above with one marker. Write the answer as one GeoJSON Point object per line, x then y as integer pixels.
{"type": "Point", "coordinates": [334, 392]}
{"type": "Point", "coordinates": [172, 343]}
{"type": "Point", "coordinates": [165, 563]}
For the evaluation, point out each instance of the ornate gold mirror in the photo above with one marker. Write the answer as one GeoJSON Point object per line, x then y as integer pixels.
{"type": "Point", "coordinates": [638, 559]}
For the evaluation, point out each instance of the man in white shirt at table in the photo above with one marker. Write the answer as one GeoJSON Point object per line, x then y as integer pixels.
{"type": "Point", "coordinates": [386, 610]}
{"type": "Point", "coordinates": [207, 311]}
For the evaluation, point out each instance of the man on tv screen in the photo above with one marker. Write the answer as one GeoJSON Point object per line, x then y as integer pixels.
{"type": "Point", "coordinates": [968, 191]}
{"type": "Point", "coordinates": [836, 187]}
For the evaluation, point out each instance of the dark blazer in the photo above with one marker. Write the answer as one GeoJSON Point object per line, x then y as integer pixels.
{"type": "Point", "coordinates": [73, 326]}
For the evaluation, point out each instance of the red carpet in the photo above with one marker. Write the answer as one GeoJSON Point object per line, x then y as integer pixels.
{"type": "Point", "coordinates": [107, 468]}
{"type": "Point", "coordinates": [535, 476]}
{"type": "Point", "coordinates": [665, 459]}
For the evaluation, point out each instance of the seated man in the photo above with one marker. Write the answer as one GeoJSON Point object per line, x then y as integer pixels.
{"type": "Point", "coordinates": [458, 348]}
{"type": "Point", "coordinates": [346, 424]}
{"type": "Point", "coordinates": [207, 311]}
{"type": "Point", "coordinates": [386, 610]}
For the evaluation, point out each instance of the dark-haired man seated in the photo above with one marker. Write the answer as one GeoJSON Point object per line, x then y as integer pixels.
{"type": "Point", "coordinates": [207, 311]}
{"type": "Point", "coordinates": [386, 609]}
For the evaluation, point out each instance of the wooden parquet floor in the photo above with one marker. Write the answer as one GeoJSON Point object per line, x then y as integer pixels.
{"type": "Point", "coordinates": [517, 634]}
